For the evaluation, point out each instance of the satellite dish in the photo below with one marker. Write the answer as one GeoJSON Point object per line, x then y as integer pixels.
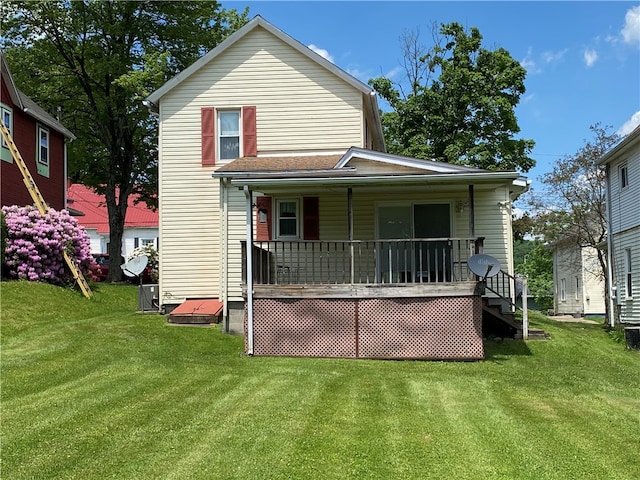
{"type": "Point", "coordinates": [135, 266]}
{"type": "Point", "coordinates": [484, 266]}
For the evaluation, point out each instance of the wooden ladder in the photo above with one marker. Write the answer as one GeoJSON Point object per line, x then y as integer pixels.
{"type": "Point", "coordinates": [41, 205]}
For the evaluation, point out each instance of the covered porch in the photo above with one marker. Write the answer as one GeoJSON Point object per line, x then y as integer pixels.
{"type": "Point", "coordinates": [364, 261]}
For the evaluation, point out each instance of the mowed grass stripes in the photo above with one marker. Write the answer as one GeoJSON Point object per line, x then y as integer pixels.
{"type": "Point", "coordinates": [91, 389]}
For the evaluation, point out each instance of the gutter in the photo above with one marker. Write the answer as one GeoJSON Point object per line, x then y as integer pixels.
{"type": "Point", "coordinates": [609, 249]}
{"type": "Point", "coordinates": [303, 179]}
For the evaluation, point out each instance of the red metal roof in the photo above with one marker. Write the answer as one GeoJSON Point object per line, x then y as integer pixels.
{"type": "Point", "coordinates": [94, 208]}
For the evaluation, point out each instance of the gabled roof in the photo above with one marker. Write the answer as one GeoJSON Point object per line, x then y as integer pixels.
{"type": "Point", "coordinates": [627, 142]}
{"type": "Point", "coordinates": [329, 170]}
{"type": "Point", "coordinates": [254, 23]}
{"type": "Point", "coordinates": [94, 210]}
{"type": "Point", "coordinates": [24, 103]}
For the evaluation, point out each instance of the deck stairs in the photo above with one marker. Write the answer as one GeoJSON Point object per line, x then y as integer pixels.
{"type": "Point", "coordinates": [499, 310]}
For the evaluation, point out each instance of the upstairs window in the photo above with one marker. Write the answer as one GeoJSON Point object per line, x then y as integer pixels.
{"type": "Point", "coordinates": [624, 176]}
{"type": "Point", "coordinates": [43, 151]}
{"type": "Point", "coordinates": [229, 134]}
{"type": "Point", "coordinates": [7, 118]}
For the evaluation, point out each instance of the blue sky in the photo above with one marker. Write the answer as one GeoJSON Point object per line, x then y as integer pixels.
{"type": "Point", "coordinates": [582, 58]}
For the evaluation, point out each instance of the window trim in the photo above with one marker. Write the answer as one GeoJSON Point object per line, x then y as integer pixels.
{"type": "Point", "coordinates": [43, 167]}
{"type": "Point", "coordinates": [6, 153]}
{"type": "Point", "coordinates": [279, 201]}
{"type": "Point", "coordinates": [624, 176]}
{"type": "Point", "coordinates": [219, 136]}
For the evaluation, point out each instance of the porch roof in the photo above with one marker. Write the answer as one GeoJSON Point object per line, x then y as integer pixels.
{"type": "Point", "coordinates": [336, 170]}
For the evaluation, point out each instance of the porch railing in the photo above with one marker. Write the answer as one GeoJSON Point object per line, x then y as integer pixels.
{"type": "Point", "coordinates": [322, 262]}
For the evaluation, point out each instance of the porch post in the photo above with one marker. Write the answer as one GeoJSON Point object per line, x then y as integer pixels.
{"type": "Point", "coordinates": [350, 220]}
{"type": "Point", "coordinates": [472, 216]}
{"type": "Point", "coordinates": [249, 212]}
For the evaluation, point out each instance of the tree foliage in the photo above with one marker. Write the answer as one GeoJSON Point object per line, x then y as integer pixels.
{"type": "Point", "coordinates": [98, 60]}
{"type": "Point", "coordinates": [459, 107]}
{"type": "Point", "coordinates": [535, 260]}
{"type": "Point", "coordinates": [571, 205]}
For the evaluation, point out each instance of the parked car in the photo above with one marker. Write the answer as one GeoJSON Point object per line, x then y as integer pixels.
{"type": "Point", "coordinates": [102, 260]}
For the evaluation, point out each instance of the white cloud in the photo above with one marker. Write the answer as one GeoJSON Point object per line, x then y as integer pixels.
{"type": "Point", "coordinates": [631, 30]}
{"type": "Point", "coordinates": [394, 72]}
{"type": "Point", "coordinates": [629, 125]}
{"type": "Point", "coordinates": [590, 57]}
{"type": "Point", "coordinates": [550, 57]}
{"type": "Point", "coordinates": [322, 52]}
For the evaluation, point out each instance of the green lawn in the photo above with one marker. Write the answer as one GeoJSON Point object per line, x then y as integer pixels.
{"type": "Point", "coordinates": [92, 390]}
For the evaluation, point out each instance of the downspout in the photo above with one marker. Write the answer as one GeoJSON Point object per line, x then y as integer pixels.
{"type": "Point", "coordinates": [609, 249]}
{"type": "Point", "coordinates": [472, 213]}
{"type": "Point", "coordinates": [249, 213]}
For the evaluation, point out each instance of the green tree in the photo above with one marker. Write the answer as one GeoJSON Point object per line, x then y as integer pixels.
{"type": "Point", "coordinates": [536, 263]}
{"type": "Point", "coordinates": [98, 60]}
{"type": "Point", "coordinates": [571, 205]}
{"type": "Point", "coordinates": [459, 107]}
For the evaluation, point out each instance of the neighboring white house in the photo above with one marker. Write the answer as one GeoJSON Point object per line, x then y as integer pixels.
{"type": "Point", "coordinates": [266, 147]}
{"type": "Point", "coordinates": [622, 164]}
{"type": "Point", "coordinates": [578, 280]}
{"type": "Point", "coordinates": [90, 209]}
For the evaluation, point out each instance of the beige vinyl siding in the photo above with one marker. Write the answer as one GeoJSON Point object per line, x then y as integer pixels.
{"type": "Point", "coordinates": [629, 309]}
{"type": "Point", "coordinates": [300, 107]}
{"type": "Point", "coordinates": [567, 264]}
{"type": "Point", "coordinates": [592, 283]}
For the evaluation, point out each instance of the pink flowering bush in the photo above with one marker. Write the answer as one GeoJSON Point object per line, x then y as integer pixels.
{"type": "Point", "coordinates": [35, 244]}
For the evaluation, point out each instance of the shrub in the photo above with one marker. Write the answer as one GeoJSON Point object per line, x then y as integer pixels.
{"type": "Point", "coordinates": [3, 241]}
{"type": "Point", "coordinates": [35, 245]}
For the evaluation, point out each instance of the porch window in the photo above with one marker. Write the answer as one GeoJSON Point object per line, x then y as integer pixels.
{"type": "Point", "coordinates": [288, 218]}
{"type": "Point", "coordinates": [628, 274]}
{"type": "Point", "coordinates": [563, 289]}
{"type": "Point", "coordinates": [229, 134]}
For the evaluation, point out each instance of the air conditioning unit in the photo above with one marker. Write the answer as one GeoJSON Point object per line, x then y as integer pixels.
{"type": "Point", "coordinates": [148, 298]}
{"type": "Point", "coordinates": [632, 337]}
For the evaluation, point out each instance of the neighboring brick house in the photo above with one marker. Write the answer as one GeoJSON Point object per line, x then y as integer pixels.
{"type": "Point", "coordinates": [42, 143]}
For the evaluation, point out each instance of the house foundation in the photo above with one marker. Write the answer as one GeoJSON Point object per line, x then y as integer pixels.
{"type": "Point", "coordinates": [434, 328]}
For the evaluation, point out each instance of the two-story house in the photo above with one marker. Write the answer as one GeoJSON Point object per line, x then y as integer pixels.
{"type": "Point", "coordinates": [41, 141]}
{"type": "Point", "coordinates": [277, 198]}
{"type": "Point", "coordinates": [622, 165]}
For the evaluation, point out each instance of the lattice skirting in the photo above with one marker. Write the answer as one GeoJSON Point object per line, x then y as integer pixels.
{"type": "Point", "coordinates": [445, 328]}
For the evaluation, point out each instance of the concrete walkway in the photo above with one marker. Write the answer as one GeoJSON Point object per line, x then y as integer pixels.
{"type": "Point", "coordinates": [572, 319]}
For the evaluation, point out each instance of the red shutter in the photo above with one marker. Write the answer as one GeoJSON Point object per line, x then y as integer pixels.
{"type": "Point", "coordinates": [263, 225]}
{"type": "Point", "coordinates": [311, 218]}
{"type": "Point", "coordinates": [208, 135]}
{"type": "Point", "coordinates": [249, 137]}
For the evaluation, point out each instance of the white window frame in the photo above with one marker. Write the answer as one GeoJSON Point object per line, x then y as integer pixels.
{"type": "Point", "coordinates": [39, 132]}
{"type": "Point", "coordinates": [624, 176]}
{"type": "Point", "coordinates": [577, 297]}
{"type": "Point", "coordinates": [280, 201]}
{"type": "Point", "coordinates": [563, 289]}
{"type": "Point", "coordinates": [220, 136]}
{"type": "Point", "coordinates": [628, 274]}
{"type": "Point", "coordinates": [6, 109]}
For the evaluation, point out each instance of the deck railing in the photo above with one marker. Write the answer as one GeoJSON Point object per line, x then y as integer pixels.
{"type": "Point", "coordinates": [322, 262]}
